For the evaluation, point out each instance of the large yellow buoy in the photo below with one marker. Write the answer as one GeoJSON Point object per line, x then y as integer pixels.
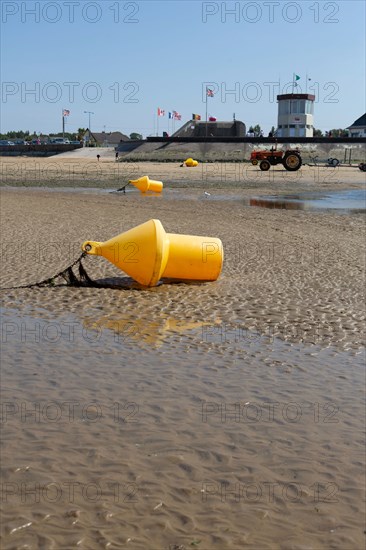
{"type": "Point", "coordinates": [146, 184]}
{"type": "Point", "coordinates": [147, 253]}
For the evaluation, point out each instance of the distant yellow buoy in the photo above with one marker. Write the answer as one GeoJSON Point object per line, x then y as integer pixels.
{"type": "Point", "coordinates": [147, 253]}
{"type": "Point", "coordinates": [146, 184]}
{"type": "Point", "coordinates": [190, 162]}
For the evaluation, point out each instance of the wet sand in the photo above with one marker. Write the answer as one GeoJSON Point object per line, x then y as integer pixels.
{"type": "Point", "coordinates": [220, 415]}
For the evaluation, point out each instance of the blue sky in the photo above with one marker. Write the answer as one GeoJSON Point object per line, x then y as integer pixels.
{"type": "Point", "coordinates": [122, 60]}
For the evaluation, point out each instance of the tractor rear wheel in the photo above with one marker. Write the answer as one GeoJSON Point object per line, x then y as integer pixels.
{"type": "Point", "coordinates": [333, 162]}
{"type": "Point", "coordinates": [265, 165]}
{"type": "Point", "coordinates": [292, 161]}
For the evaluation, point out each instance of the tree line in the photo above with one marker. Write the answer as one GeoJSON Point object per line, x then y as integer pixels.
{"type": "Point", "coordinates": [73, 136]}
{"type": "Point", "coordinates": [27, 136]}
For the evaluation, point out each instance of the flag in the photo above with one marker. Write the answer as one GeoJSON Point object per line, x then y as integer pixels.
{"type": "Point", "coordinates": [297, 77]}
{"type": "Point", "coordinates": [196, 117]}
{"type": "Point", "coordinates": [170, 114]}
{"type": "Point", "coordinates": [212, 119]}
{"type": "Point", "coordinates": [161, 112]}
{"type": "Point", "coordinates": [176, 115]}
{"type": "Point", "coordinates": [65, 112]}
{"type": "Point", "coordinates": [209, 92]}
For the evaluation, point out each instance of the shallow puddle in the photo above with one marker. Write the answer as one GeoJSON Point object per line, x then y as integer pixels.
{"type": "Point", "coordinates": [348, 201]}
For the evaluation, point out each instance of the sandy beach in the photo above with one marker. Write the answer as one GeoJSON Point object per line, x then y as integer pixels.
{"type": "Point", "coordinates": [221, 415]}
{"type": "Point", "coordinates": [74, 171]}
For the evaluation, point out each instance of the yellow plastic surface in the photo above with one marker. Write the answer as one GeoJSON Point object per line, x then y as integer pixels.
{"type": "Point", "coordinates": [147, 253]}
{"type": "Point", "coordinates": [141, 252]}
{"type": "Point", "coordinates": [191, 162]}
{"type": "Point", "coordinates": [145, 184]}
{"type": "Point", "coordinates": [194, 258]}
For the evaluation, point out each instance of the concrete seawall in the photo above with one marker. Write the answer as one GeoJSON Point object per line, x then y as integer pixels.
{"type": "Point", "coordinates": [36, 150]}
{"type": "Point", "coordinates": [157, 150]}
{"type": "Point", "coordinates": [234, 151]}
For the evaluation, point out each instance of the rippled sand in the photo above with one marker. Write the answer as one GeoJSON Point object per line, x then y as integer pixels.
{"type": "Point", "coordinates": [217, 415]}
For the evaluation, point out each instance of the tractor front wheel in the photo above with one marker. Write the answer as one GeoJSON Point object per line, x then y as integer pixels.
{"type": "Point", "coordinates": [265, 165]}
{"type": "Point", "coordinates": [292, 161]}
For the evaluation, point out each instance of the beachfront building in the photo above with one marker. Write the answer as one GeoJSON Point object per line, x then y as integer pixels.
{"type": "Point", "coordinates": [295, 115]}
{"type": "Point", "coordinates": [103, 139]}
{"type": "Point", "coordinates": [358, 128]}
{"type": "Point", "coordinates": [212, 128]}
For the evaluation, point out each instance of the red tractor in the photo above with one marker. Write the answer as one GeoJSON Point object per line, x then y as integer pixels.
{"type": "Point", "coordinates": [290, 159]}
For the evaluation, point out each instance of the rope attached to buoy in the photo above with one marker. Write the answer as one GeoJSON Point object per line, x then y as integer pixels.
{"type": "Point", "coordinates": [121, 189]}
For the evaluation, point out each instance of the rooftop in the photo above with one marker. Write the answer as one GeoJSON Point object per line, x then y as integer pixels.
{"type": "Point", "coordinates": [359, 122]}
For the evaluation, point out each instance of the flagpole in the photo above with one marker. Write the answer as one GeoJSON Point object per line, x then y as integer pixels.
{"type": "Point", "coordinates": [306, 85]}
{"type": "Point", "coordinates": [63, 124]}
{"type": "Point", "coordinates": [206, 110]}
{"type": "Point", "coordinates": [157, 122]}
{"type": "Point", "coordinates": [293, 82]}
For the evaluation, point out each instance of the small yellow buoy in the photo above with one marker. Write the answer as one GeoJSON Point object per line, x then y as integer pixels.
{"type": "Point", "coordinates": [146, 184]}
{"type": "Point", "coordinates": [190, 162]}
{"type": "Point", "coordinates": [147, 253]}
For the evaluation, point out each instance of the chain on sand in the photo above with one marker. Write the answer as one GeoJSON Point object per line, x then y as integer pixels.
{"type": "Point", "coordinates": [81, 278]}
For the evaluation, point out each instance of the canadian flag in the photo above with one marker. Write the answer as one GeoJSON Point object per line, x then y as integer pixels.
{"type": "Point", "coordinates": [161, 112]}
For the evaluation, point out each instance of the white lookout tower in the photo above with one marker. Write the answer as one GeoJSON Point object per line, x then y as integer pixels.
{"type": "Point", "coordinates": [295, 115]}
